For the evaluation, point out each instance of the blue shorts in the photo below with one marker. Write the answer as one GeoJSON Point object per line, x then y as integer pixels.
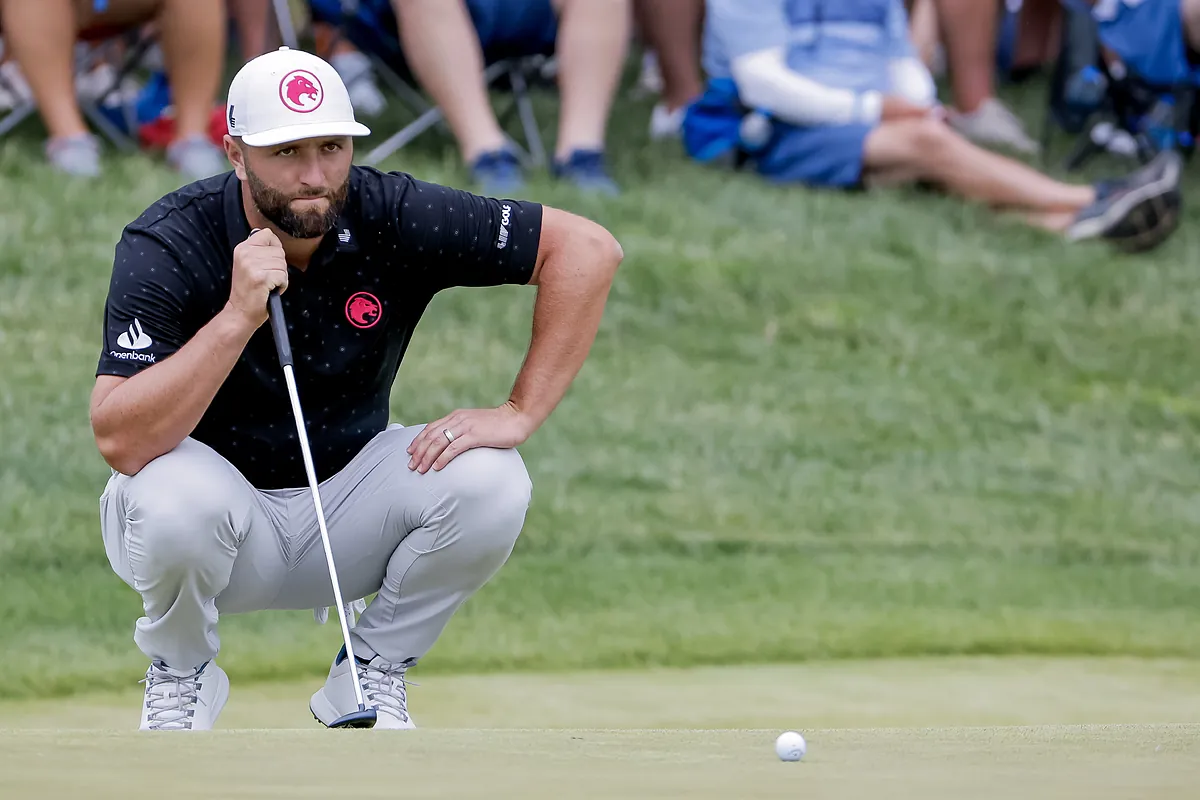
{"type": "Point", "coordinates": [506, 28]}
{"type": "Point", "coordinates": [510, 28]}
{"type": "Point", "coordinates": [825, 156]}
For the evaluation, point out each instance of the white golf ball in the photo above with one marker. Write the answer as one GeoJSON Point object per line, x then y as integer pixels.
{"type": "Point", "coordinates": [790, 746]}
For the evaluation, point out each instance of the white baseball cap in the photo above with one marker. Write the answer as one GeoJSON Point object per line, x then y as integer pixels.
{"type": "Point", "coordinates": [287, 95]}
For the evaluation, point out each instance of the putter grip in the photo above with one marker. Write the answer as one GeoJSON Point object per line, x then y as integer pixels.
{"type": "Point", "coordinates": [279, 328]}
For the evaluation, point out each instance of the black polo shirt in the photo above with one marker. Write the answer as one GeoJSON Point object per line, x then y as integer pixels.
{"type": "Point", "coordinates": [350, 314]}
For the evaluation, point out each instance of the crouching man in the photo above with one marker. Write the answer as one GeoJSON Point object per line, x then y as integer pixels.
{"type": "Point", "coordinates": [207, 511]}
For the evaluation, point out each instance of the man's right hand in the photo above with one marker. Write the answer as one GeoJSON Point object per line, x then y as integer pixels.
{"type": "Point", "coordinates": [259, 265]}
{"type": "Point", "coordinates": [896, 108]}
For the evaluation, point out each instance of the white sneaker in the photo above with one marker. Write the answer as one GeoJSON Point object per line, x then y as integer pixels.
{"type": "Point", "coordinates": [357, 72]}
{"type": "Point", "coordinates": [666, 124]}
{"type": "Point", "coordinates": [183, 701]}
{"type": "Point", "coordinates": [993, 124]}
{"type": "Point", "coordinates": [650, 80]}
{"type": "Point", "coordinates": [383, 686]}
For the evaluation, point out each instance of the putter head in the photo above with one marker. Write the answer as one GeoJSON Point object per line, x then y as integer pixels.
{"type": "Point", "coordinates": [363, 718]}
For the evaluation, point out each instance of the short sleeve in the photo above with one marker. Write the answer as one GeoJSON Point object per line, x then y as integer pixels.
{"type": "Point", "coordinates": [462, 239]}
{"type": "Point", "coordinates": [145, 309]}
{"type": "Point", "coordinates": [747, 26]}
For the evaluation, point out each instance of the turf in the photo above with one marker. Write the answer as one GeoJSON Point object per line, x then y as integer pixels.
{"type": "Point", "coordinates": [814, 425]}
{"type": "Point", "coordinates": [1097, 763]}
{"type": "Point", "coordinates": [947, 728]}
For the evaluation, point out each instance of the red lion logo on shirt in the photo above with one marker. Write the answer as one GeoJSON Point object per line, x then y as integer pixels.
{"type": "Point", "coordinates": [301, 91]}
{"type": "Point", "coordinates": [363, 310]}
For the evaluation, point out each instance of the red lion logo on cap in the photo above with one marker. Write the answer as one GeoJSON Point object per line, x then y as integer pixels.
{"type": "Point", "coordinates": [363, 310]}
{"type": "Point", "coordinates": [301, 91]}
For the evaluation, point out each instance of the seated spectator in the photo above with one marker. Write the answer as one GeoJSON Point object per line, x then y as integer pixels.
{"type": "Point", "coordinates": [42, 37]}
{"type": "Point", "coordinates": [672, 30]}
{"type": "Point", "coordinates": [968, 31]}
{"type": "Point", "coordinates": [446, 42]}
{"type": "Point", "coordinates": [832, 94]}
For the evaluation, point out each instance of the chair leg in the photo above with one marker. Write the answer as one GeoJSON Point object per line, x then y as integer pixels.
{"type": "Point", "coordinates": [402, 137]}
{"type": "Point", "coordinates": [287, 26]}
{"type": "Point", "coordinates": [92, 108]}
{"type": "Point", "coordinates": [533, 137]}
{"type": "Point", "coordinates": [16, 116]}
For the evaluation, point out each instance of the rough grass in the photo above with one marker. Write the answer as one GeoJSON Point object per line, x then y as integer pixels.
{"type": "Point", "coordinates": [813, 425]}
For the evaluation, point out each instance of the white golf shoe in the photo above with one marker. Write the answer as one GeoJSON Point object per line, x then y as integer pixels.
{"type": "Point", "coordinates": [384, 689]}
{"type": "Point", "coordinates": [183, 701]}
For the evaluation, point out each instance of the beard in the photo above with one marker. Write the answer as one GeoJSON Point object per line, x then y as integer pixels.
{"type": "Point", "coordinates": [312, 224]}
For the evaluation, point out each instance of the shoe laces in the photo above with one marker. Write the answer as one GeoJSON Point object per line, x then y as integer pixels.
{"type": "Point", "coordinates": [170, 698]}
{"type": "Point", "coordinates": [386, 685]}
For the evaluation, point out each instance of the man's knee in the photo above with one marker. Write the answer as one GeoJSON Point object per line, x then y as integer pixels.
{"type": "Point", "coordinates": [178, 513]}
{"type": "Point", "coordinates": [913, 143]}
{"type": "Point", "coordinates": [492, 479]}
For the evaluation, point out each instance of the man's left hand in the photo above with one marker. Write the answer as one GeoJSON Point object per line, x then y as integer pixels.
{"type": "Point", "coordinates": [502, 427]}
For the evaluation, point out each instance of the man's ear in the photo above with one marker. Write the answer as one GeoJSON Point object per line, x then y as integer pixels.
{"type": "Point", "coordinates": [236, 155]}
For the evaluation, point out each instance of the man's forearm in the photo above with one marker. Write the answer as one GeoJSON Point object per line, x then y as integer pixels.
{"type": "Point", "coordinates": [572, 291]}
{"type": "Point", "coordinates": [156, 409]}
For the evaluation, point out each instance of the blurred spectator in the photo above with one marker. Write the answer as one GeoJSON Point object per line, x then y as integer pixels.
{"type": "Point", "coordinates": [354, 68]}
{"type": "Point", "coordinates": [833, 94]}
{"type": "Point", "coordinates": [968, 31]}
{"type": "Point", "coordinates": [1037, 34]}
{"type": "Point", "coordinates": [671, 30]}
{"type": "Point", "coordinates": [252, 20]}
{"type": "Point", "coordinates": [42, 37]}
{"type": "Point", "coordinates": [445, 41]}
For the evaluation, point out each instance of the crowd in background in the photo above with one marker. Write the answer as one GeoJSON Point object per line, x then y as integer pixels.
{"type": "Point", "coordinates": [846, 86]}
{"type": "Point", "coordinates": [443, 47]}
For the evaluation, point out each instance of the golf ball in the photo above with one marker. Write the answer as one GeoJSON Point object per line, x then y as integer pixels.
{"type": "Point", "coordinates": [790, 746]}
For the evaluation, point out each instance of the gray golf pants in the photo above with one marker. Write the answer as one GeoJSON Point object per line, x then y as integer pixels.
{"type": "Point", "coordinates": [195, 539]}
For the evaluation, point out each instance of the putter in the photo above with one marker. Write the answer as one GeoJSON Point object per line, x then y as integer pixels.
{"type": "Point", "coordinates": [364, 717]}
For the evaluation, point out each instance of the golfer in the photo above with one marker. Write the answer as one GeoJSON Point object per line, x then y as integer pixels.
{"type": "Point", "coordinates": [208, 510]}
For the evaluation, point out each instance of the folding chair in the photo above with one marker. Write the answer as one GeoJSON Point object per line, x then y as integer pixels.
{"type": "Point", "coordinates": [96, 47]}
{"type": "Point", "coordinates": [1104, 87]}
{"type": "Point", "coordinates": [374, 33]}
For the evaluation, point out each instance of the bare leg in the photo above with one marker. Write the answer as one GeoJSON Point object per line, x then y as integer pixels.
{"type": "Point", "coordinates": [592, 39]}
{"type": "Point", "coordinates": [193, 42]}
{"type": "Point", "coordinates": [673, 29]}
{"type": "Point", "coordinates": [969, 31]}
{"type": "Point", "coordinates": [443, 50]}
{"type": "Point", "coordinates": [1037, 33]}
{"type": "Point", "coordinates": [1054, 221]}
{"type": "Point", "coordinates": [251, 17]}
{"type": "Point", "coordinates": [329, 43]}
{"type": "Point", "coordinates": [923, 22]}
{"type": "Point", "coordinates": [41, 37]}
{"type": "Point", "coordinates": [1191, 22]}
{"type": "Point", "coordinates": [936, 153]}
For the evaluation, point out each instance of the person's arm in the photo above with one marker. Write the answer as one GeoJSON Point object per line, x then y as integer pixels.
{"type": "Point", "coordinates": [910, 80]}
{"type": "Point", "coordinates": [753, 35]}
{"type": "Point", "coordinates": [468, 240]}
{"type": "Point", "coordinates": [909, 77]}
{"type": "Point", "coordinates": [577, 260]}
{"type": "Point", "coordinates": [765, 81]}
{"type": "Point", "coordinates": [141, 409]}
